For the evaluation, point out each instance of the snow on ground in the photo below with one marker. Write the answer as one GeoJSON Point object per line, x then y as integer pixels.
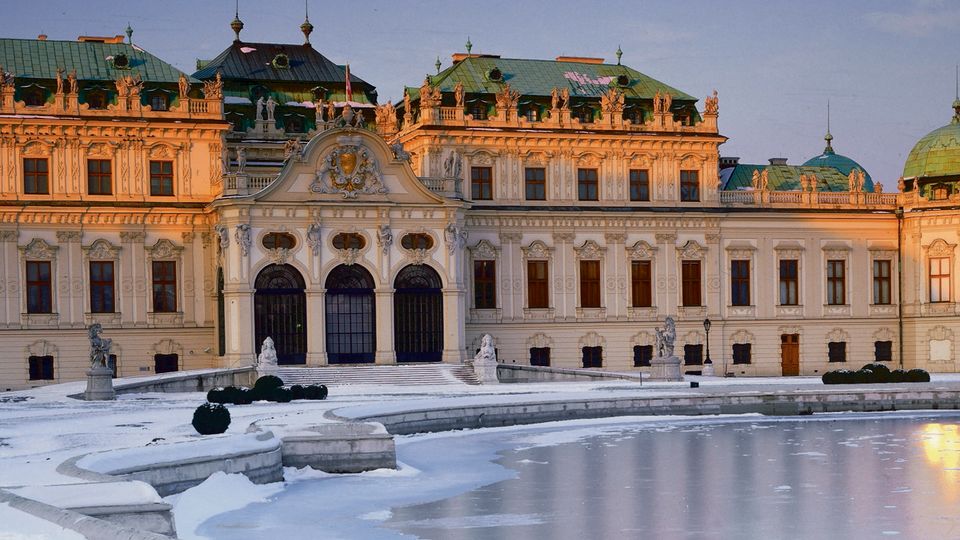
{"type": "Point", "coordinates": [19, 525]}
{"type": "Point", "coordinates": [216, 495]}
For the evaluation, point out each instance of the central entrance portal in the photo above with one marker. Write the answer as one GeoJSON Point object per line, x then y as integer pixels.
{"type": "Point", "coordinates": [280, 312]}
{"type": "Point", "coordinates": [351, 329]}
{"type": "Point", "coordinates": [418, 315]}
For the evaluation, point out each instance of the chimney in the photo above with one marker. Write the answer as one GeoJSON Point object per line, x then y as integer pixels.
{"type": "Point", "coordinates": [778, 161]}
{"type": "Point", "coordinates": [580, 59]}
{"type": "Point", "coordinates": [728, 162]}
{"type": "Point", "coordinates": [42, 37]}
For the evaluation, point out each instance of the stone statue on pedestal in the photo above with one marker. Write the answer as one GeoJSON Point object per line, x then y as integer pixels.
{"type": "Point", "coordinates": [485, 362]}
{"type": "Point", "coordinates": [666, 365]}
{"type": "Point", "coordinates": [100, 376]}
{"type": "Point", "coordinates": [267, 361]}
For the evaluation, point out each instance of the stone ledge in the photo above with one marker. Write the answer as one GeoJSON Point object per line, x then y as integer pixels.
{"type": "Point", "coordinates": [336, 447]}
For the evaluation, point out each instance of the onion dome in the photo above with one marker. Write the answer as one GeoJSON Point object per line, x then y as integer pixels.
{"type": "Point", "coordinates": [829, 158]}
{"type": "Point", "coordinates": [937, 154]}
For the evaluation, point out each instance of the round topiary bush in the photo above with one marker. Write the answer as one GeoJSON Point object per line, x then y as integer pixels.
{"type": "Point", "coordinates": [918, 375]}
{"type": "Point", "coordinates": [315, 391]}
{"type": "Point", "coordinates": [243, 396]}
{"type": "Point", "coordinates": [881, 372]}
{"type": "Point", "coordinates": [267, 383]}
{"type": "Point", "coordinates": [863, 376]}
{"type": "Point", "coordinates": [841, 376]}
{"type": "Point", "coordinates": [211, 418]}
{"type": "Point", "coordinates": [898, 376]}
{"type": "Point", "coordinates": [217, 395]}
{"type": "Point", "coordinates": [297, 391]}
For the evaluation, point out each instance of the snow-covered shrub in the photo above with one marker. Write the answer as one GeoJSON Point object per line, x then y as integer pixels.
{"type": "Point", "coordinates": [315, 391]}
{"type": "Point", "coordinates": [211, 418]}
{"type": "Point", "coordinates": [898, 375]}
{"type": "Point", "coordinates": [243, 396]}
{"type": "Point", "coordinates": [881, 372]}
{"type": "Point", "coordinates": [918, 375]}
{"type": "Point", "coordinates": [267, 383]}
{"type": "Point", "coordinates": [864, 376]}
{"type": "Point", "coordinates": [280, 395]}
{"type": "Point", "coordinates": [298, 391]}
{"type": "Point", "coordinates": [217, 395]}
{"type": "Point", "coordinates": [839, 376]}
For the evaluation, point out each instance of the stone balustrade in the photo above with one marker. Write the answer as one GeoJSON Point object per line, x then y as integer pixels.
{"type": "Point", "coordinates": [69, 105]}
{"type": "Point", "coordinates": [808, 199]}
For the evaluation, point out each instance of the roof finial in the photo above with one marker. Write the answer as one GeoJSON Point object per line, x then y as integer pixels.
{"type": "Point", "coordinates": [438, 64]}
{"type": "Point", "coordinates": [306, 27]}
{"type": "Point", "coordinates": [956, 100]}
{"type": "Point", "coordinates": [469, 45]}
{"type": "Point", "coordinates": [828, 137]}
{"type": "Point", "coordinates": [129, 34]}
{"type": "Point", "coordinates": [236, 24]}
{"type": "Point", "coordinates": [619, 53]}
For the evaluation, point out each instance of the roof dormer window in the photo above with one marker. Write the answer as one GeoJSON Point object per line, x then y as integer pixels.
{"type": "Point", "coordinates": [495, 75]}
{"type": "Point", "coordinates": [280, 61]}
{"type": "Point", "coordinates": [121, 61]}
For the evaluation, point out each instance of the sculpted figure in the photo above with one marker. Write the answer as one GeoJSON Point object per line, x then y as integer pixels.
{"type": "Point", "coordinates": [260, 108]}
{"type": "Point", "coordinates": [458, 94]}
{"type": "Point", "coordinates": [213, 89]}
{"type": "Point", "coordinates": [565, 96]}
{"type": "Point", "coordinates": [331, 111]}
{"type": "Point", "coordinates": [901, 185]}
{"type": "Point", "coordinates": [59, 80]}
{"type": "Point", "coordinates": [657, 103]}
{"type": "Point", "coordinates": [99, 347]}
{"type": "Point", "coordinates": [72, 79]}
{"type": "Point", "coordinates": [318, 113]}
{"type": "Point", "coordinates": [667, 102]}
{"type": "Point", "coordinates": [554, 98]}
{"type": "Point", "coordinates": [271, 105]}
{"type": "Point", "coordinates": [223, 234]}
{"type": "Point", "coordinates": [712, 104]}
{"type": "Point", "coordinates": [665, 338]}
{"type": "Point", "coordinates": [313, 238]}
{"type": "Point", "coordinates": [385, 237]}
{"type": "Point", "coordinates": [399, 152]}
{"type": "Point", "coordinates": [267, 360]}
{"type": "Point", "coordinates": [487, 352]}
{"type": "Point", "coordinates": [755, 180]}
{"type": "Point", "coordinates": [184, 86]}
{"type": "Point", "coordinates": [241, 159]}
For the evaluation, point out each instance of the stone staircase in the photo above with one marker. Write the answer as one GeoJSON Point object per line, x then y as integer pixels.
{"type": "Point", "coordinates": [398, 375]}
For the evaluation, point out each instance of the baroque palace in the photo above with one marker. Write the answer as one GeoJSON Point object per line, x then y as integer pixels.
{"type": "Point", "coordinates": [565, 207]}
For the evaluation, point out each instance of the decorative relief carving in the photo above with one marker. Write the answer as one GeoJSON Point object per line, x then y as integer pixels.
{"type": "Point", "coordinates": [560, 237]}
{"type": "Point", "coordinates": [164, 249]}
{"type": "Point", "coordinates": [789, 250]}
{"type": "Point", "coordinates": [742, 336]}
{"type": "Point", "coordinates": [101, 249]}
{"type": "Point", "coordinates": [484, 250]}
{"type": "Point", "coordinates": [349, 169]}
{"type": "Point", "coordinates": [615, 238]}
{"type": "Point", "coordinates": [590, 251]}
{"type": "Point", "coordinates": [939, 248]}
{"type": "Point", "coordinates": [39, 250]}
{"type": "Point", "coordinates": [643, 338]}
{"type": "Point", "coordinates": [278, 255]}
{"type": "Point", "coordinates": [130, 237]}
{"type": "Point", "coordinates": [351, 256]}
{"type": "Point", "coordinates": [8, 236]}
{"type": "Point", "coordinates": [242, 236]}
{"type": "Point", "coordinates": [455, 237]}
{"type": "Point", "coordinates": [641, 250]}
{"type": "Point", "coordinates": [884, 334]}
{"type": "Point", "coordinates": [539, 340]}
{"type": "Point", "coordinates": [384, 238]}
{"type": "Point", "coordinates": [692, 250]}
{"type": "Point", "coordinates": [592, 339]}
{"type": "Point", "coordinates": [837, 334]}
{"type": "Point", "coordinates": [65, 237]}
{"type": "Point", "coordinates": [666, 238]}
{"type": "Point", "coordinates": [537, 250]}
{"type": "Point", "coordinates": [314, 238]}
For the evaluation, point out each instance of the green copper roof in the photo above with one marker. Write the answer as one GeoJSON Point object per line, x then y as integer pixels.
{"type": "Point", "coordinates": [937, 153]}
{"type": "Point", "coordinates": [829, 158]}
{"type": "Point", "coordinates": [540, 77]}
{"type": "Point", "coordinates": [787, 178]}
{"type": "Point", "coordinates": [39, 59]}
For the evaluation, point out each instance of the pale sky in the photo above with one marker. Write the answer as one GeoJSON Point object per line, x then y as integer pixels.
{"type": "Point", "coordinates": [887, 66]}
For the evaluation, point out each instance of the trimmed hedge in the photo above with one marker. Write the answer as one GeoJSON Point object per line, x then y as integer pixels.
{"type": "Point", "coordinates": [211, 418]}
{"type": "Point", "coordinates": [874, 373]}
{"type": "Point", "coordinates": [267, 391]}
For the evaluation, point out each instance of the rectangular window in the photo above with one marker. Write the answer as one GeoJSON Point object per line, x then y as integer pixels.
{"type": "Point", "coordinates": [590, 284]}
{"type": "Point", "coordinates": [881, 281]}
{"type": "Point", "coordinates": [587, 185]}
{"type": "Point", "coordinates": [164, 286]}
{"type": "Point", "coordinates": [592, 357]}
{"type": "Point", "coordinates": [639, 185]}
{"type": "Point", "coordinates": [99, 177]}
{"type": "Point", "coordinates": [41, 368]}
{"type": "Point", "coordinates": [689, 186]}
{"type": "Point", "coordinates": [35, 176]}
{"type": "Point", "coordinates": [690, 278]}
{"type": "Point", "coordinates": [535, 180]}
{"type": "Point", "coordinates": [537, 284]}
{"type": "Point", "coordinates": [837, 351]}
{"type": "Point", "coordinates": [484, 284]}
{"type": "Point", "coordinates": [693, 355]}
{"type": "Point", "coordinates": [481, 183]}
{"type": "Point", "coordinates": [540, 356]}
{"type": "Point", "coordinates": [789, 284]}
{"type": "Point", "coordinates": [642, 354]}
{"type": "Point", "coordinates": [835, 283]}
{"type": "Point", "coordinates": [101, 287]}
{"type": "Point", "coordinates": [641, 283]}
{"type": "Point", "coordinates": [39, 287]}
{"type": "Point", "coordinates": [740, 283]}
{"type": "Point", "coordinates": [161, 178]}
{"type": "Point", "coordinates": [882, 351]}
{"type": "Point", "coordinates": [741, 353]}
{"type": "Point", "coordinates": [165, 363]}
{"type": "Point", "coordinates": [940, 279]}
{"type": "Point", "coordinates": [112, 364]}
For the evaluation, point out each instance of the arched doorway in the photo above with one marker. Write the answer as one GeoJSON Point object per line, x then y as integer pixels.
{"type": "Point", "coordinates": [280, 312]}
{"type": "Point", "coordinates": [350, 315]}
{"type": "Point", "coordinates": [418, 315]}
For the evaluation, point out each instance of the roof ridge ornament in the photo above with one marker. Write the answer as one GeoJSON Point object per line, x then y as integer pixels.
{"type": "Point", "coordinates": [956, 100]}
{"type": "Point", "coordinates": [619, 53]}
{"type": "Point", "coordinates": [236, 24]}
{"type": "Point", "coordinates": [828, 137]}
{"type": "Point", "coordinates": [306, 27]}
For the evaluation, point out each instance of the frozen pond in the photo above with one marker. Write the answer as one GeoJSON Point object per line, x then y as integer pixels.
{"type": "Point", "coordinates": [851, 476]}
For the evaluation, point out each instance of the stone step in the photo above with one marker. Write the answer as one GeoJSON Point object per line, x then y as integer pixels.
{"type": "Point", "coordinates": [398, 375]}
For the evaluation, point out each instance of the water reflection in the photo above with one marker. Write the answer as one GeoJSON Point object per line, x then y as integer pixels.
{"type": "Point", "coordinates": [870, 478]}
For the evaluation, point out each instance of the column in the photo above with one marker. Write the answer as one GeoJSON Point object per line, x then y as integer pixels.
{"type": "Point", "coordinates": [384, 320]}
{"type": "Point", "coordinates": [238, 321]}
{"type": "Point", "coordinates": [453, 330]}
{"type": "Point", "coordinates": [510, 271]}
{"type": "Point", "coordinates": [316, 327]}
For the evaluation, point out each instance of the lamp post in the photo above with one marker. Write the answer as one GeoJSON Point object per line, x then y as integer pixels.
{"type": "Point", "coordinates": [707, 364]}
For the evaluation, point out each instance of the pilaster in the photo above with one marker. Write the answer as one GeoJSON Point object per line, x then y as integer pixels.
{"type": "Point", "coordinates": [384, 317]}
{"type": "Point", "coordinates": [316, 327]}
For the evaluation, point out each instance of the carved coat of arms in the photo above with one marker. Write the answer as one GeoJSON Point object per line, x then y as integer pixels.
{"type": "Point", "coordinates": [349, 169]}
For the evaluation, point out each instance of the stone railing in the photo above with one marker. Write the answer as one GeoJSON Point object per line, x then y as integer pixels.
{"type": "Point", "coordinates": [69, 105]}
{"type": "Point", "coordinates": [245, 184]}
{"type": "Point", "coordinates": [558, 119]}
{"type": "Point", "coordinates": [446, 187]}
{"type": "Point", "coordinates": [804, 199]}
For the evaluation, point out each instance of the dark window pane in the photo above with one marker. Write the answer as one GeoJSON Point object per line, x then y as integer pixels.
{"type": "Point", "coordinates": [165, 363]}
{"type": "Point", "coordinates": [639, 185]}
{"type": "Point", "coordinates": [883, 351]}
{"type": "Point", "coordinates": [41, 368]}
{"type": "Point", "coordinates": [537, 284]}
{"type": "Point", "coordinates": [590, 284]}
{"type": "Point", "coordinates": [39, 287]}
{"type": "Point", "coordinates": [484, 284]}
{"type": "Point", "coordinates": [689, 186]}
{"type": "Point", "coordinates": [535, 179]}
{"type": "Point", "coordinates": [99, 177]}
{"type": "Point", "coordinates": [641, 284]}
{"type": "Point", "coordinates": [587, 184]}
{"type": "Point", "coordinates": [741, 353]}
{"type": "Point", "coordinates": [164, 286]}
{"type": "Point", "coordinates": [35, 176]}
{"type": "Point", "coordinates": [540, 356]}
{"type": "Point", "coordinates": [788, 283]}
{"type": "Point", "coordinates": [881, 282]}
{"type": "Point", "coordinates": [690, 278]}
{"type": "Point", "coordinates": [836, 282]}
{"type": "Point", "coordinates": [592, 357]}
{"type": "Point", "coordinates": [161, 178]}
{"type": "Point", "coordinates": [693, 355]}
{"type": "Point", "coordinates": [481, 183]}
{"type": "Point", "coordinates": [740, 283]}
{"type": "Point", "coordinates": [837, 351]}
{"type": "Point", "coordinates": [642, 354]}
{"type": "Point", "coordinates": [101, 287]}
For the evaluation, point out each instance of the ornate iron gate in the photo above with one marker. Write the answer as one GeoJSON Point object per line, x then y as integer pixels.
{"type": "Point", "coordinates": [350, 316]}
{"type": "Point", "coordinates": [280, 312]}
{"type": "Point", "coordinates": [418, 315]}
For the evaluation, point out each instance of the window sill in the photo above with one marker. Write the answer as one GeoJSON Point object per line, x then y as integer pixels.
{"type": "Point", "coordinates": [939, 308]}
{"type": "Point", "coordinates": [40, 320]}
{"type": "Point", "coordinates": [538, 313]}
{"type": "Point", "coordinates": [642, 313]}
{"type": "Point", "coordinates": [883, 309]}
{"type": "Point", "coordinates": [837, 310]}
{"type": "Point", "coordinates": [744, 312]}
{"type": "Point", "coordinates": [486, 315]}
{"type": "Point", "coordinates": [692, 312]}
{"type": "Point", "coordinates": [112, 319]}
{"type": "Point", "coordinates": [591, 313]}
{"type": "Point", "coordinates": [173, 318]}
{"type": "Point", "coordinates": [789, 311]}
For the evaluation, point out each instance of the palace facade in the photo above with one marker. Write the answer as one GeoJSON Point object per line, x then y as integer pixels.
{"type": "Point", "coordinates": [565, 207]}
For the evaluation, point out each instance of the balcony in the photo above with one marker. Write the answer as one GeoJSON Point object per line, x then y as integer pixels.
{"type": "Point", "coordinates": [129, 106]}
{"type": "Point", "coordinates": [811, 199]}
{"type": "Point", "coordinates": [245, 184]}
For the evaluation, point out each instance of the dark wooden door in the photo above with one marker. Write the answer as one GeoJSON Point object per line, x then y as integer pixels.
{"type": "Point", "coordinates": [418, 315]}
{"type": "Point", "coordinates": [350, 316]}
{"type": "Point", "coordinates": [790, 354]}
{"type": "Point", "coordinates": [280, 312]}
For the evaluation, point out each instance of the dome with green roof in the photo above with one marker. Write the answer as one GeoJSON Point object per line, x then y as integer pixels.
{"type": "Point", "coordinates": [937, 154]}
{"type": "Point", "coordinates": [841, 163]}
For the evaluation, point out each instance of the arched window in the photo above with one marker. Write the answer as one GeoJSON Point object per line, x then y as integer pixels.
{"type": "Point", "coordinates": [349, 241]}
{"type": "Point", "coordinates": [416, 241]}
{"type": "Point", "coordinates": [277, 240]}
